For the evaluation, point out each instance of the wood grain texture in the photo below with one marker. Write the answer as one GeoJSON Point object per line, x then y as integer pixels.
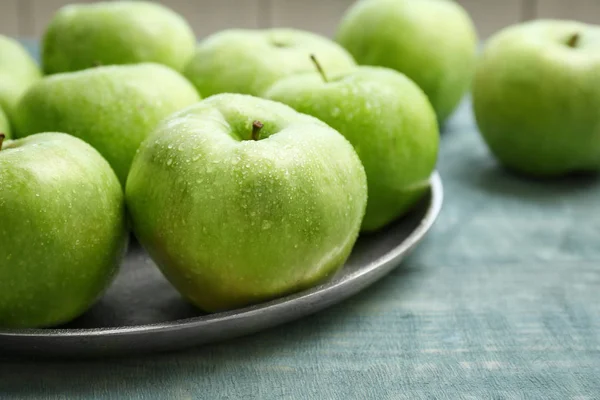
{"type": "Point", "coordinates": [313, 15]}
{"type": "Point", "coordinates": [491, 16]}
{"type": "Point", "coordinates": [582, 10]}
{"type": "Point", "coordinates": [502, 301]}
{"type": "Point", "coordinates": [9, 21]}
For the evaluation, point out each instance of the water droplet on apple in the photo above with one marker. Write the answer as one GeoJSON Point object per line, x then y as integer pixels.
{"type": "Point", "coordinates": [266, 224]}
{"type": "Point", "coordinates": [169, 161]}
{"type": "Point", "coordinates": [170, 146]}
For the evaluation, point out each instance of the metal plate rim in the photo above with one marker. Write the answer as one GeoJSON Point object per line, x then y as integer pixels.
{"type": "Point", "coordinates": [327, 293]}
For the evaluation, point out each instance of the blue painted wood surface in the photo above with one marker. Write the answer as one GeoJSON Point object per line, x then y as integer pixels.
{"type": "Point", "coordinates": [502, 301]}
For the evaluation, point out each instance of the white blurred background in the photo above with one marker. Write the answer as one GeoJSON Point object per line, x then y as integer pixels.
{"type": "Point", "coordinates": [27, 18]}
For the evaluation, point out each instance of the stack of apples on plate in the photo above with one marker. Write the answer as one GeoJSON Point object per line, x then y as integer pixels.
{"type": "Point", "coordinates": [257, 191]}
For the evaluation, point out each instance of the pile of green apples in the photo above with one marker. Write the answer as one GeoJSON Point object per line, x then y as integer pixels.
{"type": "Point", "coordinates": [262, 188]}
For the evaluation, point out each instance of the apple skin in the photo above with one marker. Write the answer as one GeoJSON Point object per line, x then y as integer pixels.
{"type": "Point", "coordinates": [388, 120]}
{"type": "Point", "coordinates": [231, 221]}
{"type": "Point", "coordinates": [536, 99]}
{"type": "Point", "coordinates": [433, 42]}
{"type": "Point", "coordinates": [63, 229]}
{"type": "Point", "coordinates": [82, 36]}
{"type": "Point", "coordinates": [113, 108]}
{"type": "Point", "coordinates": [18, 71]}
{"type": "Point", "coordinates": [249, 61]}
{"type": "Point", "coordinates": [4, 124]}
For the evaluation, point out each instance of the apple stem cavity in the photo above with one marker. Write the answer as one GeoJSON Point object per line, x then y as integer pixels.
{"type": "Point", "coordinates": [573, 40]}
{"type": "Point", "coordinates": [256, 127]}
{"type": "Point", "coordinates": [2, 137]}
{"type": "Point", "coordinates": [319, 67]}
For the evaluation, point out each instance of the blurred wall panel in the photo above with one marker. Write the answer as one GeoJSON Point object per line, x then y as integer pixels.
{"type": "Point", "coordinates": [28, 18]}
{"type": "Point", "coordinates": [492, 15]}
{"type": "Point", "coordinates": [9, 22]}
{"type": "Point", "coordinates": [583, 10]}
{"type": "Point", "coordinates": [209, 16]}
{"type": "Point", "coordinates": [321, 16]}
{"type": "Point", "coordinates": [40, 13]}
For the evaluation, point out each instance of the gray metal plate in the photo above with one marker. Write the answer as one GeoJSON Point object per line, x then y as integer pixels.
{"type": "Point", "coordinates": [142, 313]}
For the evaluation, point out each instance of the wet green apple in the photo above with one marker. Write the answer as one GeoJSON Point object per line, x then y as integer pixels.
{"type": "Point", "coordinates": [62, 231]}
{"type": "Point", "coordinates": [239, 200]}
{"type": "Point", "coordinates": [113, 108]}
{"type": "Point", "coordinates": [82, 36]}
{"type": "Point", "coordinates": [388, 120]}
{"type": "Point", "coordinates": [536, 97]}
{"type": "Point", "coordinates": [4, 124]}
{"type": "Point", "coordinates": [433, 42]}
{"type": "Point", "coordinates": [249, 61]}
{"type": "Point", "coordinates": [18, 71]}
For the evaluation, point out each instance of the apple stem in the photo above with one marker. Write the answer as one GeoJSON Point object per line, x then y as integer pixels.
{"type": "Point", "coordinates": [2, 137]}
{"type": "Point", "coordinates": [256, 127]}
{"type": "Point", "coordinates": [319, 67]}
{"type": "Point", "coordinates": [573, 40]}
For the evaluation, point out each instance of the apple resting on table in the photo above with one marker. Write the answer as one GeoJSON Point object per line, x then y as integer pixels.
{"type": "Point", "coordinates": [239, 200]}
{"type": "Point", "coordinates": [249, 61]}
{"type": "Point", "coordinates": [62, 229]}
{"type": "Point", "coordinates": [388, 120]}
{"type": "Point", "coordinates": [537, 97]}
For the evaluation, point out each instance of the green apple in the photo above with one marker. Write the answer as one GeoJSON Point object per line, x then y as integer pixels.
{"type": "Point", "coordinates": [536, 97]}
{"type": "Point", "coordinates": [433, 42]}
{"type": "Point", "coordinates": [388, 120]}
{"type": "Point", "coordinates": [63, 229]}
{"type": "Point", "coordinates": [240, 199]}
{"type": "Point", "coordinates": [113, 108]}
{"type": "Point", "coordinates": [82, 36]}
{"type": "Point", "coordinates": [4, 124]}
{"type": "Point", "coordinates": [18, 71]}
{"type": "Point", "coordinates": [249, 61]}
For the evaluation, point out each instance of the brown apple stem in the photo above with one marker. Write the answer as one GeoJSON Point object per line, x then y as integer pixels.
{"type": "Point", "coordinates": [573, 40]}
{"type": "Point", "coordinates": [2, 137]}
{"type": "Point", "coordinates": [256, 127]}
{"type": "Point", "coordinates": [319, 67]}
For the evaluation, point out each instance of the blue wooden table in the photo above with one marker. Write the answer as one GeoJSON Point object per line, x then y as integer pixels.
{"type": "Point", "coordinates": [502, 301]}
